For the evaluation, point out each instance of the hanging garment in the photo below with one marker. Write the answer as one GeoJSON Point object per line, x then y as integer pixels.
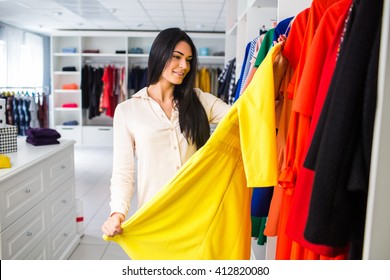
{"type": "Point", "coordinates": [329, 39]}
{"type": "Point", "coordinates": [291, 51]}
{"type": "Point", "coordinates": [340, 151]}
{"type": "Point", "coordinates": [298, 127]}
{"type": "Point", "coordinates": [204, 211]}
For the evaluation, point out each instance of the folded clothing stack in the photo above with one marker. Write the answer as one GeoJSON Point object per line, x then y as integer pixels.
{"type": "Point", "coordinates": [70, 105]}
{"type": "Point", "coordinates": [42, 136]}
{"type": "Point", "coordinates": [70, 86]}
{"type": "Point", "coordinates": [69, 50]}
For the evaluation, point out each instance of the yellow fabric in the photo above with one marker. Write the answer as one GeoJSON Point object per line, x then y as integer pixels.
{"type": "Point", "coordinates": [204, 211]}
{"type": "Point", "coordinates": [205, 79]}
{"type": "Point", "coordinates": [5, 162]}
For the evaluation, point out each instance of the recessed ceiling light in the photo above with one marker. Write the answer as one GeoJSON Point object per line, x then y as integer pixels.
{"type": "Point", "coordinates": [199, 26]}
{"type": "Point", "coordinates": [139, 25]}
{"type": "Point", "coordinates": [57, 13]}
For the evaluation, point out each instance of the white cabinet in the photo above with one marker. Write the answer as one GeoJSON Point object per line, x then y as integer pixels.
{"type": "Point", "coordinates": [38, 217]}
{"type": "Point", "coordinates": [102, 48]}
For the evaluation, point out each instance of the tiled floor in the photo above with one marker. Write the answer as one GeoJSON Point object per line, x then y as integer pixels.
{"type": "Point", "coordinates": [93, 167]}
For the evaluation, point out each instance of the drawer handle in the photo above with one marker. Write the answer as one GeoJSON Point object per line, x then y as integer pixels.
{"type": "Point", "coordinates": [104, 129]}
{"type": "Point", "coordinates": [64, 201]}
{"type": "Point", "coordinates": [67, 128]}
{"type": "Point", "coordinates": [65, 235]}
{"type": "Point", "coordinates": [63, 166]}
{"type": "Point", "coordinates": [27, 190]}
{"type": "Point", "coordinates": [29, 233]}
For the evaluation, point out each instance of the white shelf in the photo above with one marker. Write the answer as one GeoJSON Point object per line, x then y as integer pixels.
{"type": "Point", "coordinates": [67, 54]}
{"type": "Point", "coordinates": [103, 55]}
{"type": "Point", "coordinates": [107, 43]}
{"type": "Point", "coordinates": [67, 109]}
{"type": "Point", "coordinates": [67, 90]}
{"type": "Point", "coordinates": [66, 73]}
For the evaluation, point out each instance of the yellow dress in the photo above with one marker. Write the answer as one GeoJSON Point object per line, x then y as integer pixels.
{"type": "Point", "coordinates": [204, 211]}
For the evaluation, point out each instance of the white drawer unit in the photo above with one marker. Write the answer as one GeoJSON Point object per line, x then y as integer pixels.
{"type": "Point", "coordinates": [19, 194]}
{"type": "Point", "coordinates": [22, 236]}
{"type": "Point", "coordinates": [38, 215]}
{"type": "Point", "coordinates": [63, 238]}
{"type": "Point", "coordinates": [40, 252]}
{"type": "Point", "coordinates": [98, 135]}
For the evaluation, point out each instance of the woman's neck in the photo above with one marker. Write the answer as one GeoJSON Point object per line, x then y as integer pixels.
{"type": "Point", "coordinates": [161, 93]}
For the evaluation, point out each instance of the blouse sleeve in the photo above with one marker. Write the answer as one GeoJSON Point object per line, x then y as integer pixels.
{"type": "Point", "coordinates": [215, 107]}
{"type": "Point", "coordinates": [122, 180]}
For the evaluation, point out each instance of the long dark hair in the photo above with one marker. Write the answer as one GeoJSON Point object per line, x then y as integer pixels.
{"type": "Point", "coordinates": [192, 116]}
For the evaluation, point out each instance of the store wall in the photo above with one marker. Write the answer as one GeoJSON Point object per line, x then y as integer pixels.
{"type": "Point", "coordinates": [288, 8]}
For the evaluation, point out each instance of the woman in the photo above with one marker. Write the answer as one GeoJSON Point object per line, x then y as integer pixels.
{"type": "Point", "coordinates": [162, 125]}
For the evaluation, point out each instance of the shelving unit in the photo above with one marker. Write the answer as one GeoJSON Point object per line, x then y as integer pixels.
{"type": "Point", "coordinates": [59, 96]}
{"type": "Point", "coordinates": [98, 130]}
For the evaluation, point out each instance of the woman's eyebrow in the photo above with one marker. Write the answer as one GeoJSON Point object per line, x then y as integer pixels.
{"type": "Point", "coordinates": [181, 53]}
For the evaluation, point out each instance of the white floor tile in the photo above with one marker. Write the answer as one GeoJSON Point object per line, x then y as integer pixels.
{"type": "Point", "coordinates": [88, 252]}
{"type": "Point", "coordinates": [114, 252]}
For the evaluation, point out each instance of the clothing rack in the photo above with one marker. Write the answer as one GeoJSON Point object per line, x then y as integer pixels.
{"type": "Point", "coordinates": [43, 89]}
{"type": "Point", "coordinates": [103, 63]}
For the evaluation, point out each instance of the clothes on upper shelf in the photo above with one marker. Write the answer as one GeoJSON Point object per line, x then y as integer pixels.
{"type": "Point", "coordinates": [69, 50]}
{"type": "Point", "coordinates": [70, 105]}
{"type": "Point", "coordinates": [69, 68]}
{"type": "Point", "coordinates": [71, 86]}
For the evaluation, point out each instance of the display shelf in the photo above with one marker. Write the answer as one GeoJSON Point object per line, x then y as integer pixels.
{"type": "Point", "coordinates": [100, 48]}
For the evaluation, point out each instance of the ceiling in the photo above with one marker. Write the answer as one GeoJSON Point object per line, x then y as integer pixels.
{"type": "Point", "coordinates": [47, 16]}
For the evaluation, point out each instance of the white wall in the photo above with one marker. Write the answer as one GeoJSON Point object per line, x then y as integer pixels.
{"type": "Point", "coordinates": [288, 8]}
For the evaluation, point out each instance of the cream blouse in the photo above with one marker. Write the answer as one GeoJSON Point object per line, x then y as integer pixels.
{"type": "Point", "coordinates": [143, 135]}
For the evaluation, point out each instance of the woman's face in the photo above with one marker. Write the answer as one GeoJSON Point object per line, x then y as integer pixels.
{"type": "Point", "coordinates": [179, 64]}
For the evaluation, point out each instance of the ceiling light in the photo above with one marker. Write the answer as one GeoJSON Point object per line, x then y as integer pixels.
{"type": "Point", "coordinates": [199, 26]}
{"type": "Point", "coordinates": [57, 13]}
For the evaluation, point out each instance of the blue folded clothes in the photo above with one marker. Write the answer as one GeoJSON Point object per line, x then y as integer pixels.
{"type": "Point", "coordinates": [70, 123]}
{"type": "Point", "coordinates": [136, 50]}
{"type": "Point", "coordinates": [41, 142]}
{"type": "Point", "coordinates": [69, 50]}
{"type": "Point", "coordinates": [42, 133]}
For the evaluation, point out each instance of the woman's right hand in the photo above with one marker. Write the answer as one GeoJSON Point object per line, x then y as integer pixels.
{"type": "Point", "coordinates": [112, 226]}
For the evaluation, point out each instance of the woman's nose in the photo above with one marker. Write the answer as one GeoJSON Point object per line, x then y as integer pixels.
{"type": "Point", "coordinates": [183, 64]}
